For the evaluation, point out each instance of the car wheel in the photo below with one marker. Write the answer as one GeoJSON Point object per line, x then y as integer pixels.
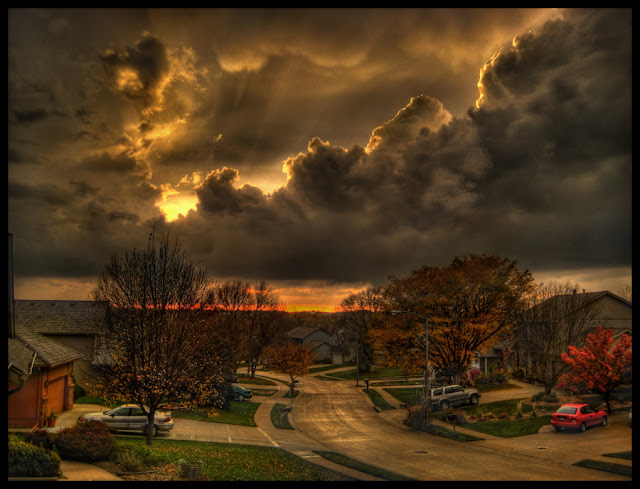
{"type": "Point", "coordinates": [558, 428]}
{"type": "Point", "coordinates": [583, 427]}
{"type": "Point", "coordinates": [155, 430]}
{"type": "Point", "coordinates": [473, 399]}
{"type": "Point", "coordinates": [240, 397]}
{"type": "Point", "coordinates": [444, 405]}
{"type": "Point", "coordinates": [603, 421]}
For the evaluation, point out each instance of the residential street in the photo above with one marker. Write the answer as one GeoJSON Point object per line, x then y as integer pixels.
{"type": "Point", "coordinates": [337, 416]}
{"type": "Point", "coordinates": [380, 439]}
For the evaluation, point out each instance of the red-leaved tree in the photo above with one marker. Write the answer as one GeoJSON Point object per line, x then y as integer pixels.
{"type": "Point", "coordinates": [597, 366]}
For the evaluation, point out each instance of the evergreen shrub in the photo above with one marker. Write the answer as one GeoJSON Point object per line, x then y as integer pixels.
{"type": "Point", "coordinates": [27, 460]}
{"type": "Point", "coordinates": [40, 438]}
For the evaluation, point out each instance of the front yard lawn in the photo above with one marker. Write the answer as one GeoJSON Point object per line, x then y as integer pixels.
{"type": "Point", "coordinates": [509, 428]}
{"type": "Point", "coordinates": [240, 413]}
{"type": "Point", "coordinates": [228, 462]}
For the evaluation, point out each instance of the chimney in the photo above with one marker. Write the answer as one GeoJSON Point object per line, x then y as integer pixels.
{"type": "Point", "coordinates": [12, 317]}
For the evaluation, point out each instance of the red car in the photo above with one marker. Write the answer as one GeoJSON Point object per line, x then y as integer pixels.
{"type": "Point", "coordinates": [577, 416]}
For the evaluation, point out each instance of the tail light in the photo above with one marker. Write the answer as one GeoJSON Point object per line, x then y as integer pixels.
{"type": "Point", "coordinates": [81, 418]}
{"type": "Point", "coordinates": [167, 419]}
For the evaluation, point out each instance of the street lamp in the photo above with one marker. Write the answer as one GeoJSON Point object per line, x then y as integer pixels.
{"type": "Point", "coordinates": [426, 354]}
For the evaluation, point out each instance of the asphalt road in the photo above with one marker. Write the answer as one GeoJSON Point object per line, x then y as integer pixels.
{"type": "Point", "coordinates": [340, 417]}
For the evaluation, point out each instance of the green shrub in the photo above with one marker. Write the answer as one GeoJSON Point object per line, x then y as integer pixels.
{"type": "Point", "coordinates": [87, 441]}
{"type": "Point", "coordinates": [129, 461]}
{"type": "Point", "coordinates": [141, 454]}
{"type": "Point", "coordinates": [40, 438]}
{"type": "Point", "coordinates": [27, 460]}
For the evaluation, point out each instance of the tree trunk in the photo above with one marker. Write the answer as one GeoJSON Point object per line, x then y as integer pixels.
{"type": "Point", "coordinates": [150, 421]}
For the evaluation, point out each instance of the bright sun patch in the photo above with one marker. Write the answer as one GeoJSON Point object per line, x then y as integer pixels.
{"type": "Point", "coordinates": [174, 203]}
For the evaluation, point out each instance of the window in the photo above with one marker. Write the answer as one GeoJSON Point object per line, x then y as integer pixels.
{"type": "Point", "coordinates": [587, 410]}
{"type": "Point", "coordinates": [437, 392]}
{"type": "Point", "coordinates": [451, 390]}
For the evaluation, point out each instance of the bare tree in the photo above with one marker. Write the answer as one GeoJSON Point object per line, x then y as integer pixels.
{"type": "Point", "coordinates": [265, 323]}
{"type": "Point", "coordinates": [358, 311]}
{"type": "Point", "coordinates": [158, 346]}
{"type": "Point", "coordinates": [233, 300]}
{"type": "Point", "coordinates": [559, 316]}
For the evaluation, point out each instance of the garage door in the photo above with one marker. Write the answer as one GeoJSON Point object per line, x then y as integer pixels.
{"type": "Point", "coordinates": [56, 394]}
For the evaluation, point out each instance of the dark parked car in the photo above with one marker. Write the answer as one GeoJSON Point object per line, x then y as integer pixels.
{"type": "Point", "coordinates": [240, 393]}
{"type": "Point", "coordinates": [578, 417]}
{"type": "Point", "coordinates": [453, 395]}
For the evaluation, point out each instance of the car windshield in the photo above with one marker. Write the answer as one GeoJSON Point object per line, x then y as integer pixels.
{"type": "Point", "coordinates": [567, 410]}
{"type": "Point", "coordinates": [115, 409]}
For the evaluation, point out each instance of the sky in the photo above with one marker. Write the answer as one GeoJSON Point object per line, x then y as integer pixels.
{"type": "Point", "coordinates": [320, 150]}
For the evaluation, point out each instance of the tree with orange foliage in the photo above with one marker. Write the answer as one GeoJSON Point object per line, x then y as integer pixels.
{"type": "Point", "coordinates": [597, 366]}
{"type": "Point", "coordinates": [469, 303]}
{"type": "Point", "coordinates": [288, 358]}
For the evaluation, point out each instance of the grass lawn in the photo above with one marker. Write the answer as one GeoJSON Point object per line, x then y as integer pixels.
{"type": "Point", "coordinates": [605, 466]}
{"type": "Point", "coordinates": [362, 467]}
{"type": "Point", "coordinates": [240, 413]}
{"type": "Point", "coordinates": [225, 462]}
{"type": "Point", "coordinates": [411, 396]}
{"type": "Point", "coordinates": [280, 419]}
{"type": "Point", "coordinates": [510, 428]}
{"type": "Point", "coordinates": [247, 379]}
{"type": "Point", "coordinates": [377, 399]}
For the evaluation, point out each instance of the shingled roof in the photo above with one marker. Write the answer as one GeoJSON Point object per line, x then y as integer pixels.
{"type": "Point", "coordinates": [301, 332]}
{"type": "Point", "coordinates": [48, 352]}
{"type": "Point", "coordinates": [60, 317]}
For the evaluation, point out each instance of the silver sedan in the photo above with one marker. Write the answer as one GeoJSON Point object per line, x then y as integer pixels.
{"type": "Point", "coordinates": [131, 417]}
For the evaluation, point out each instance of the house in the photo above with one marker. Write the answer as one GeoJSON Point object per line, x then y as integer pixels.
{"type": "Point", "coordinates": [78, 325]}
{"type": "Point", "coordinates": [607, 310]}
{"type": "Point", "coordinates": [582, 313]}
{"type": "Point", "coordinates": [316, 338]}
{"type": "Point", "coordinates": [345, 346]}
{"type": "Point", "coordinates": [40, 378]}
{"type": "Point", "coordinates": [40, 370]}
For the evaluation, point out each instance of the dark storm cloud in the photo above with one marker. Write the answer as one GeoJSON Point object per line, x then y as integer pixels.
{"type": "Point", "coordinates": [389, 180]}
{"type": "Point", "coordinates": [532, 174]}
{"type": "Point", "coordinates": [137, 72]}
{"type": "Point", "coordinates": [107, 163]}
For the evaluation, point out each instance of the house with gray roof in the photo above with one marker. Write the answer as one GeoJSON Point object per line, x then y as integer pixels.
{"type": "Point", "coordinates": [78, 325]}
{"type": "Point", "coordinates": [40, 377]}
{"type": "Point", "coordinates": [316, 338]}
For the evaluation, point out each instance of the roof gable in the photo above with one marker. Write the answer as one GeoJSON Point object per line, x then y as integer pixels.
{"type": "Point", "coordinates": [301, 332]}
{"type": "Point", "coordinates": [49, 352]}
{"type": "Point", "coordinates": [585, 299]}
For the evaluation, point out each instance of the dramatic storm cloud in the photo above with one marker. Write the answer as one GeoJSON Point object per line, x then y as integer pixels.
{"type": "Point", "coordinates": [320, 146]}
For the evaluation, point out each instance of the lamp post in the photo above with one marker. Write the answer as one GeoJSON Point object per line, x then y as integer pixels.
{"type": "Point", "coordinates": [426, 354]}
